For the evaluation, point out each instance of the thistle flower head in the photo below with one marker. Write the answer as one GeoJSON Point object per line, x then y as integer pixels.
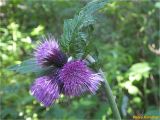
{"type": "Point", "coordinates": [48, 53]}
{"type": "Point", "coordinates": [45, 89]}
{"type": "Point", "coordinates": [70, 78]}
{"type": "Point", "coordinates": [77, 78]}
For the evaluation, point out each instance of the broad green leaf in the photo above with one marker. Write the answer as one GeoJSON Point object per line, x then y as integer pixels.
{"type": "Point", "coordinates": [139, 70]}
{"type": "Point", "coordinates": [29, 66]}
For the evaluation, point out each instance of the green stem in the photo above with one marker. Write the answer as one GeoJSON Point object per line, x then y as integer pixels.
{"type": "Point", "coordinates": [110, 96]}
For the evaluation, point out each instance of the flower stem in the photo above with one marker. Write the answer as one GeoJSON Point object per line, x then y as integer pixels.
{"type": "Point", "coordinates": [110, 96]}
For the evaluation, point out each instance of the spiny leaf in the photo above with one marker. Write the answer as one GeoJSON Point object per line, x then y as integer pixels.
{"type": "Point", "coordinates": [72, 39]}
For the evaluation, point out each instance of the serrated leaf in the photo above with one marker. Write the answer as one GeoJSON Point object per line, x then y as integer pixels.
{"type": "Point", "coordinates": [74, 37]}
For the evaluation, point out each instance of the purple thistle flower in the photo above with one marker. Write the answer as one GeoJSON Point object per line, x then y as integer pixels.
{"type": "Point", "coordinates": [77, 78]}
{"type": "Point", "coordinates": [45, 89]}
{"type": "Point", "coordinates": [48, 53]}
{"type": "Point", "coordinates": [71, 79]}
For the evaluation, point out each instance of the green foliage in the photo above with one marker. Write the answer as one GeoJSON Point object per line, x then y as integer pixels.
{"type": "Point", "coordinates": [139, 70]}
{"type": "Point", "coordinates": [121, 36]}
{"type": "Point", "coordinates": [26, 66]}
{"type": "Point", "coordinates": [74, 38]}
{"type": "Point", "coordinates": [152, 111]}
{"type": "Point", "coordinates": [30, 66]}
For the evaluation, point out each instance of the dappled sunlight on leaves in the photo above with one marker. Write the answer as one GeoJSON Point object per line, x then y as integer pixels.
{"type": "Point", "coordinates": [121, 37]}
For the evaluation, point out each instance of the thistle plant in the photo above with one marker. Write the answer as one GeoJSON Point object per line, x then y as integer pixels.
{"type": "Point", "coordinates": [70, 78]}
{"type": "Point", "coordinates": [62, 66]}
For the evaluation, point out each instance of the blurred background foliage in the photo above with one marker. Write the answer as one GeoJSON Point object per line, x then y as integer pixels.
{"type": "Point", "coordinates": [127, 39]}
